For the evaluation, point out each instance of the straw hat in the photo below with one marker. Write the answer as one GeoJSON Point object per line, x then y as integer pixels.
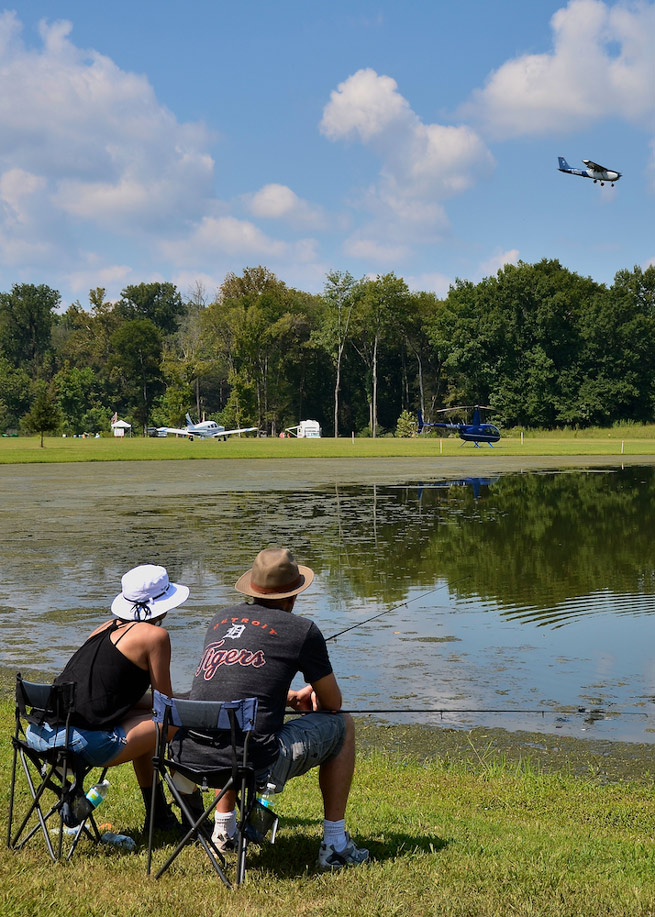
{"type": "Point", "coordinates": [147, 594]}
{"type": "Point", "coordinates": [275, 575]}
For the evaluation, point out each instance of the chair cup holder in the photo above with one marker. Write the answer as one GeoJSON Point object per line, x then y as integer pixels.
{"type": "Point", "coordinates": [260, 824]}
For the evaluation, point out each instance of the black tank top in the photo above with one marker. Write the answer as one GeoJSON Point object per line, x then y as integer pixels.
{"type": "Point", "coordinates": [108, 683]}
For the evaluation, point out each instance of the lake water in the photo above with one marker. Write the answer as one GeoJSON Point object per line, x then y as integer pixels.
{"type": "Point", "coordinates": [524, 591]}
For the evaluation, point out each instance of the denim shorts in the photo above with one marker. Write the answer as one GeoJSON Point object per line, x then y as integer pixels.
{"type": "Point", "coordinates": [304, 743]}
{"type": "Point", "coordinates": [96, 747]}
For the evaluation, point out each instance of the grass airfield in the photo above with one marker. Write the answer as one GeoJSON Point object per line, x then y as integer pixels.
{"type": "Point", "coordinates": [630, 440]}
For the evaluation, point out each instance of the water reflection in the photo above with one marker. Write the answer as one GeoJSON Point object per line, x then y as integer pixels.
{"type": "Point", "coordinates": [519, 589]}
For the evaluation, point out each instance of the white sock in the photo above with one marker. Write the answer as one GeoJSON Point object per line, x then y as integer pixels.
{"type": "Point", "coordinates": [225, 823]}
{"type": "Point", "coordinates": [334, 834]}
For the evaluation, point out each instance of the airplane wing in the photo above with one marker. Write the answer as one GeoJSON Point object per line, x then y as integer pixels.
{"type": "Point", "coordinates": [167, 430]}
{"type": "Point", "coordinates": [594, 165]}
{"type": "Point", "coordinates": [230, 432]}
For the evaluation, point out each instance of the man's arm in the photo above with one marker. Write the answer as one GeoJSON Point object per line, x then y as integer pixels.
{"type": "Point", "coordinates": [323, 694]}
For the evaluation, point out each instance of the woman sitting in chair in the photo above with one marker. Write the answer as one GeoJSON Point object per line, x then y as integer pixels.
{"type": "Point", "coordinates": [124, 657]}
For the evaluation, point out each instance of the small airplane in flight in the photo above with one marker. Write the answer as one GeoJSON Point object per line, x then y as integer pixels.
{"type": "Point", "coordinates": [206, 429]}
{"type": "Point", "coordinates": [475, 432]}
{"type": "Point", "coordinates": [594, 171]}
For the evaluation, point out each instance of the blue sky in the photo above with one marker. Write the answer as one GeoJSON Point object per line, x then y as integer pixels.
{"type": "Point", "coordinates": [162, 140]}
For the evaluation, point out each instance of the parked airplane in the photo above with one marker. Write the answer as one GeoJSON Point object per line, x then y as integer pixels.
{"type": "Point", "coordinates": [593, 171]}
{"type": "Point", "coordinates": [206, 429]}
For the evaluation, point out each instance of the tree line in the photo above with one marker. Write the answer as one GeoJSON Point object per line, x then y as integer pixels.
{"type": "Point", "coordinates": [542, 345]}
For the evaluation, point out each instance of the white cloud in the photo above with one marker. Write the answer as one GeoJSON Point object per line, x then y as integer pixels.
{"type": "Point", "coordinates": [365, 106]}
{"type": "Point", "coordinates": [90, 159]}
{"type": "Point", "coordinates": [227, 236]}
{"type": "Point", "coordinates": [372, 250]}
{"type": "Point", "coordinates": [113, 277]}
{"type": "Point", "coordinates": [222, 235]}
{"type": "Point", "coordinates": [421, 165]}
{"type": "Point", "coordinates": [431, 282]}
{"type": "Point", "coordinates": [492, 265]}
{"type": "Point", "coordinates": [582, 79]}
{"type": "Point", "coordinates": [279, 202]}
{"type": "Point", "coordinates": [102, 145]}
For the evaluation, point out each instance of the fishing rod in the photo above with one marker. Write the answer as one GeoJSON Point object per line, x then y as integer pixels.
{"type": "Point", "coordinates": [387, 611]}
{"type": "Point", "coordinates": [581, 711]}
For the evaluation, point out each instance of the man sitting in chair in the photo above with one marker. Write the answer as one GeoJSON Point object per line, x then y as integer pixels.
{"type": "Point", "coordinates": [255, 650]}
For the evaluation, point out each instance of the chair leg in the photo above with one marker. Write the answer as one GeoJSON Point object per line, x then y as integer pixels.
{"type": "Point", "coordinates": [195, 831]}
{"type": "Point", "coordinates": [35, 808]}
{"type": "Point", "coordinates": [11, 796]}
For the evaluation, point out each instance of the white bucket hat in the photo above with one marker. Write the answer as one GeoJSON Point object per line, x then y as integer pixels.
{"type": "Point", "coordinates": [147, 594]}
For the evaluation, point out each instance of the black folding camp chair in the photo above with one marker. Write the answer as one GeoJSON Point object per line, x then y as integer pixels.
{"type": "Point", "coordinates": [206, 722]}
{"type": "Point", "coordinates": [55, 777]}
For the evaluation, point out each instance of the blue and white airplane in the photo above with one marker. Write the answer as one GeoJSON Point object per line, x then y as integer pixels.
{"type": "Point", "coordinates": [593, 171]}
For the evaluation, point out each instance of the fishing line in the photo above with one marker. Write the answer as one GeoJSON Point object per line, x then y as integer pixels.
{"type": "Point", "coordinates": [387, 611]}
{"type": "Point", "coordinates": [441, 711]}
{"type": "Point", "coordinates": [581, 711]}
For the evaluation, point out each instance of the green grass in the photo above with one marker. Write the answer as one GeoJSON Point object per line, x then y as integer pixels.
{"type": "Point", "coordinates": [627, 440]}
{"type": "Point", "coordinates": [477, 837]}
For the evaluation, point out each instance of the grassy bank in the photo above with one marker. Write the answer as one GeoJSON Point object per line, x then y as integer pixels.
{"type": "Point", "coordinates": [473, 836]}
{"type": "Point", "coordinates": [628, 440]}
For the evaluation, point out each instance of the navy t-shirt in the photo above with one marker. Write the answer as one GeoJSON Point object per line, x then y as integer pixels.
{"type": "Point", "coordinates": [255, 651]}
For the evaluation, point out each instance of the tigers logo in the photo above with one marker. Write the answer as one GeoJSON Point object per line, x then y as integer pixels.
{"type": "Point", "coordinates": [215, 656]}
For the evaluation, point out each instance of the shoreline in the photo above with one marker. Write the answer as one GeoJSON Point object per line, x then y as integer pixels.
{"type": "Point", "coordinates": [600, 760]}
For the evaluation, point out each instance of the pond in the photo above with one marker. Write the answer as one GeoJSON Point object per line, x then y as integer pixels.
{"type": "Point", "coordinates": [529, 592]}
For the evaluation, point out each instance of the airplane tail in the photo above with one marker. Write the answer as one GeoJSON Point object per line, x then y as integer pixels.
{"type": "Point", "coordinates": [190, 423]}
{"type": "Point", "coordinates": [563, 164]}
{"type": "Point", "coordinates": [420, 421]}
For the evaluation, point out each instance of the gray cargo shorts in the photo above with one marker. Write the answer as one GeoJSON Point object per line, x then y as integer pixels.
{"type": "Point", "coordinates": [304, 743]}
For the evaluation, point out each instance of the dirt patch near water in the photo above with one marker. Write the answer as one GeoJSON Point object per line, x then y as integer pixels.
{"type": "Point", "coordinates": [603, 761]}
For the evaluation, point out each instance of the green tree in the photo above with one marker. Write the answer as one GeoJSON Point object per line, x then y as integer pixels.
{"type": "Point", "coordinates": [44, 415]}
{"type": "Point", "coordinates": [258, 327]}
{"type": "Point", "coordinates": [332, 335]}
{"type": "Point", "coordinates": [421, 307]}
{"type": "Point", "coordinates": [26, 319]}
{"type": "Point", "coordinates": [381, 307]}
{"type": "Point", "coordinates": [14, 394]}
{"type": "Point", "coordinates": [136, 365]}
{"type": "Point", "coordinates": [77, 395]}
{"type": "Point", "coordinates": [161, 303]}
{"type": "Point", "coordinates": [406, 425]}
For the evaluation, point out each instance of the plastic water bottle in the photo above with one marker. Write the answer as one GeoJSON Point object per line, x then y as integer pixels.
{"type": "Point", "coordinates": [97, 793]}
{"type": "Point", "coordinates": [263, 818]}
{"type": "Point", "coordinates": [84, 805]}
{"type": "Point", "coordinates": [123, 841]}
{"type": "Point", "coordinates": [267, 798]}
{"type": "Point", "coordinates": [71, 832]}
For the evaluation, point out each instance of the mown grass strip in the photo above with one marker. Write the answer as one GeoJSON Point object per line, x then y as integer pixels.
{"type": "Point", "coordinates": [628, 441]}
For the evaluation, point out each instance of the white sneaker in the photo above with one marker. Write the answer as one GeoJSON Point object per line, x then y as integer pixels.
{"type": "Point", "coordinates": [224, 842]}
{"type": "Point", "coordinates": [351, 855]}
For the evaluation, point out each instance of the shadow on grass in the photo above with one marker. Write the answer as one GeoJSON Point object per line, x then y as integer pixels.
{"type": "Point", "coordinates": [294, 856]}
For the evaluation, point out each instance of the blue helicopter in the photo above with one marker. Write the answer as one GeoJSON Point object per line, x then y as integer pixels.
{"type": "Point", "coordinates": [475, 432]}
